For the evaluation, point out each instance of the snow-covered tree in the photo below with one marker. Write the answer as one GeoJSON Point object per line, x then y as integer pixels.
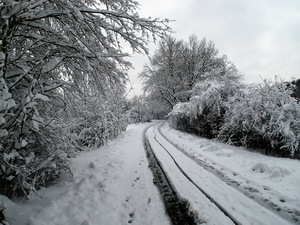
{"type": "Point", "coordinates": [163, 76]}
{"type": "Point", "coordinates": [138, 110]}
{"type": "Point", "coordinates": [50, 50]}
{"type": "Point", "coordinates": [156, 108]}
{"type": "Point", "coordinates": [177, 66]}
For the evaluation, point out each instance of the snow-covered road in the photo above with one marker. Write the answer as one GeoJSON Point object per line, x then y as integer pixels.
{"type": "Point", "coordinates": [249, 199]}
{"type": "Point", "coordinates": [113, 185]}
{"type": "Point", "coordinates": [110, 186]}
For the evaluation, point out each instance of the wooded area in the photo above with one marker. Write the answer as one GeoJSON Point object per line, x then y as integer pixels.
{"type": "Point", "coordinates": [63, 71]}
{"type": "Point", "coordinates": [202, 92]}
{"type": "Point", "coordinates": [62, 82]}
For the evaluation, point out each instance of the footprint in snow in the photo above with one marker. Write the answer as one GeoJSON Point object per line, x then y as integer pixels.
{"type": "Point", "coordinates": [266, 188]}
{"type": "Point", "coordinates": [136, 179]}
{"type": "Point", "coordinates": [131, 217]}
{"type": "Point", "coordinates": [101, 185]}
{"type": "Point", "coordinates": [282, 200]}
{"type": "Point", "coordinates": [92, 165]}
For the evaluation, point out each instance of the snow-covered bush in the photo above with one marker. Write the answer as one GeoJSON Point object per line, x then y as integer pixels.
{"type": "Point", "coordinates": [35, 160]}
{"type": "Point", "coordinates": [264, 116]}
{"type": "Point", "coordinates": [178, 118]}
{"type": "Point", "coordinates": [203, 114]}
{"type": "Point", "coordinates": [94, 121]}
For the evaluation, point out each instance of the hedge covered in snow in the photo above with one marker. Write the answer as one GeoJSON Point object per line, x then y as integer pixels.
{"type": "Point", "coordinates": [262, 116]}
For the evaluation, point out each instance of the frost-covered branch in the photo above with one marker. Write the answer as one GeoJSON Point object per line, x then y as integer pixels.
{"type": "Point", "coordinates": [54, 56]}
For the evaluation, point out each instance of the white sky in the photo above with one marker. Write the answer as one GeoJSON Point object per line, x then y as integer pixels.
{"type": "Point", "coordinates": [262, 38]}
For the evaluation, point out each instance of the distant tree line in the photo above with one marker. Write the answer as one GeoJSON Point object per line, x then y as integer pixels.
{"type": "Point", "coordinates": [203, 93]}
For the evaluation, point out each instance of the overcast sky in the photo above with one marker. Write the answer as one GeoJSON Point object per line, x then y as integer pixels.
{"type": "Point", "coordinates": [261, 37]}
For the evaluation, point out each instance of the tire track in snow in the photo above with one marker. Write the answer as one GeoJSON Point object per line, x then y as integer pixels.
{"type": "Point", "coordinates": [251, 192]}
{"type": "Point", "coordinates": [219, 206]}
{"type": "Point", "coordinates": [176, 207]}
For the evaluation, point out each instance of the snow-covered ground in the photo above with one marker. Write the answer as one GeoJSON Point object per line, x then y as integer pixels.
{"type": "Point", "coordinates": [114, 185]}
{"type": "Point", "coordinates": [274, 182]}
{"type": "Point", "coordinates": [111, 185]}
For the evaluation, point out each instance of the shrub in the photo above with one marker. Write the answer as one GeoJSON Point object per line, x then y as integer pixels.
{"type": "Point", "coordinates": [94, 121]}
{"type": "Point", "coordinates": [203, 114]}
{"type": "Point", "coordinates": [264, 116]}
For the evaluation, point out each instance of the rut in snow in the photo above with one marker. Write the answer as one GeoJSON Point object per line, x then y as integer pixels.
{"type": "Point", "coordinates": [177, 208]}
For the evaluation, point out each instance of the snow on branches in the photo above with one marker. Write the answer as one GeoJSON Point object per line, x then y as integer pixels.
{"type": "Point", "coordinates": [177, 67]}
{"type": "Point", "coordinates": [265, 116]}
{"type": "Point", "coordinates": [203, 113]}
{"type": "Point", "coordinates": [50, 53]}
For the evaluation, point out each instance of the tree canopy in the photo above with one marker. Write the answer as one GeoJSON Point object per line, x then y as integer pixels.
{"type": "Point", "coordinates": [177, 66]}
